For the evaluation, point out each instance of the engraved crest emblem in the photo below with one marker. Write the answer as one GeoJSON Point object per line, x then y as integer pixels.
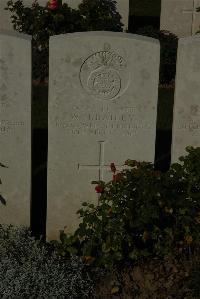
{"type": "Point", "coordinates": [104, 75]}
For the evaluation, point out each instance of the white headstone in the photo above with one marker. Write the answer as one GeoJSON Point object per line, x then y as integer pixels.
{"type": "Point", "coordinates": [102, 108]}
{"type": "Point", "coordinates": [15, 127]}
{"type": "Point", "coordinates": [186, 124]}
{"type": "Point", "coordinates": [180, 17]}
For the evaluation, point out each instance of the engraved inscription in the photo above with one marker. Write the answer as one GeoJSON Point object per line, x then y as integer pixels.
{"type": "Point", "coordinates": [101, 167]}
{"type": "Point", "coordinates": [104, 83]}
{"type": "Point", "coordinates": [190, 125]}
{"type": "Point", "coordinates": [104, 75]}
{"type": "Point", "coordinates": [6, 125]}
{"type": "Point", "coordinates": [123, 122]}
{"type": "Point", "coordinates": [4, 101]}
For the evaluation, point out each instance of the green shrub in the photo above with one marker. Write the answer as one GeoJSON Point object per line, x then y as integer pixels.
{"type": "Point", "coordinates": [141, 213]}
{"type": "Point", "coordinates": [168, 55]}
{"type": "Point", "coordinates": [194, 281]}
{"type": "Point", "coordinates": [43, 22]}
{"type": "Point", "coordinates": [29, 269]}
{"type": "Point", "coordinates": [100, 15]}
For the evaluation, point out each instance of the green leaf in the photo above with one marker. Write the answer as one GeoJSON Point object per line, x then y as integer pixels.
{"type": "Point", "coordinates": [133, 255]}
{"type": "Point", "coordinates": [91, 206]}
{"type": "Point", "coordinates": [118, 256]}
{"type": "Point", "coordinates": [80, 211]}
{"type": "Point", "coordinates": [106, 248]}
{"type": "Point", "coordinates": [183, 211]}
{"type": "Point", "coordinates": [62, 236]}
{"type": "Point", "coordinates": [95, 182]}
{"type": "Point", "coordinates": [72, 250]}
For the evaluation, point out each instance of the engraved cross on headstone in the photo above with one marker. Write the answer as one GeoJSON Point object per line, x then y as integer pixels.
{"type": "Point", "coordinates": [101, 166]}
{"type": "Point", "coordinates": [194, 13]}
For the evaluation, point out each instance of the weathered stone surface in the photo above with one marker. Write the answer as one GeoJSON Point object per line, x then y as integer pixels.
{"type": "Point", "coordinates": [186, 124]}
{"type": "Point", "coordinates": [102, 109]}
{"type": "Point", "coordinates": [15, 127]}
{"type": "Point", "coordinates": [180, 17]}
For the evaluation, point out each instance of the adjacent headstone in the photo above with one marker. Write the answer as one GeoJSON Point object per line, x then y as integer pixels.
{"type": "Point", "coordinates": [15, 127]}
{"type": "Point", "coordinates": [186, 123]}
{"type": "Point", "coordinates": [103, 90]}
{"type": "Point", "coordinates": [180, 17]}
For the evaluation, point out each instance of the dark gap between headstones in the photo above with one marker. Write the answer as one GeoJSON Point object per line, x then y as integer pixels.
{"type": "Point", "coordinates": [164, 129]}
{"type": "Point", "coordinates": [39, 159]}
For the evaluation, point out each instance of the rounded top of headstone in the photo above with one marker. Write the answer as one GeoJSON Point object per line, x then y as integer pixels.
{"type": "Point", "coordinates": [107, 34]}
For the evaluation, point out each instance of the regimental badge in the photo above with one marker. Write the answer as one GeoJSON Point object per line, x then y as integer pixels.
{"type": "Point", "coordinates": [104, 75]}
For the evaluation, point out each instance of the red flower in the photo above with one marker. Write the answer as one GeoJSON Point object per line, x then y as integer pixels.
{"type": "Point", "coordinates": [112, 167]}
{"type": "Point", "coordinates": [52, 4]}
{"type": "Point", "coordinates": [99, 189]}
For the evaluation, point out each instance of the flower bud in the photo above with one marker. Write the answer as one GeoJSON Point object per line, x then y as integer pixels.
{"type": "Point", "coordinates": [99, 189]}
{"type": "Point", "coordinates": [52, 4]}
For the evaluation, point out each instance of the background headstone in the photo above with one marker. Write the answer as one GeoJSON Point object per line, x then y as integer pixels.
{"type": "Point", "coordinates": [180, 17]}
{"type": "Point", "coordinates": [102, 108]}
{"type": "Point", "coordinates": [186, 122]}
{"type": "Point", "coordinates": [15, 127]}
